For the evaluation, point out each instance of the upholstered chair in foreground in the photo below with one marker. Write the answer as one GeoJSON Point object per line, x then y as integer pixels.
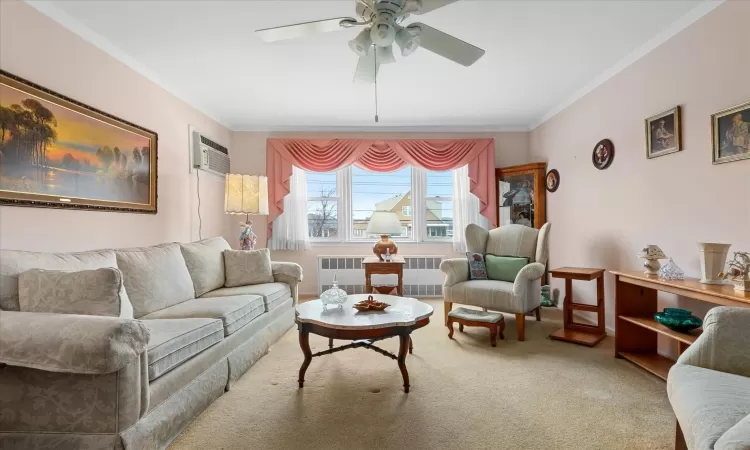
{"type": "Point", "coordinates": [520, 297]}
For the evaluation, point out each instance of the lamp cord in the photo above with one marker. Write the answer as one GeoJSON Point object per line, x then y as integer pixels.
{"type": "Point", "coordinates": [375, 69]}
{"type": "Point", "coordinates": [198, 188]}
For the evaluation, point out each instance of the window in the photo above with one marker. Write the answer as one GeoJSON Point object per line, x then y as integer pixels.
{"type": "Point", "coordinates": [322, 205]}
{"type": "Point", "coordinates": [380, 191]}
{"type": "Point", "coordinates": [439, 205]}
{"type": "Point", "coordinates": [340, 204]}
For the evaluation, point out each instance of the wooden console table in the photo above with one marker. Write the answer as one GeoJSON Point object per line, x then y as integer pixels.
{"type": "Point", "coordinates": [373, 265]}
{"type": "Point", "coordinates": [636, 331]}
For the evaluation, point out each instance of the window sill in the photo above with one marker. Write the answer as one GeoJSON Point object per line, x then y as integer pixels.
{"type": "Point", "coordinates": [370, 243]}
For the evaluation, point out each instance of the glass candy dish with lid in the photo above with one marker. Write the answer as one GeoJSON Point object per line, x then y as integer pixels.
{"type": "Point", "coordinates": [334, 297]}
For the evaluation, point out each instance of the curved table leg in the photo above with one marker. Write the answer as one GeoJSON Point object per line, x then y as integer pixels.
{"type": "Point", "coordinates": [411, 345]}
{"type": "Point", "coordinates": [304, 344]}
{"type": "Point", "coordinates": [403, 349]}
{"type": "Point", "coordinates": [330, 342]}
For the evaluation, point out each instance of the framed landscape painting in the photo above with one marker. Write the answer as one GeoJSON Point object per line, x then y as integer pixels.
{"type": "Point", "coordinates": [58, 153]}
{"type": "Point", "coordinates": [731, 134]}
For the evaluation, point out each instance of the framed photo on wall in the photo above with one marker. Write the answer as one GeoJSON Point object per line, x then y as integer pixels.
{"type": "Point", "coordinates": [56, 152]}
{"type": "Point", "coordinates": [663, 133]}
{"type": "Point", "coordinates": [730, 130]}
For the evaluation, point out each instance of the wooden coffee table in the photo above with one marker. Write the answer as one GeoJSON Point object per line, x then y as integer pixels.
{"type": "Point", "coordinates": [362, 327]}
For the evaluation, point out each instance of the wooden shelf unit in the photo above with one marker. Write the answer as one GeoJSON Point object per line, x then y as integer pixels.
{"type": "Point", "coordinates": [636, 332]}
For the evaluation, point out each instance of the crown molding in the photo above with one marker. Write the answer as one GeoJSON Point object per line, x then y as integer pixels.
{"type": "Point", "coordinates": [387, 128]}
{"type": "Point", "coordinates": [692, 16]}
{"type": "Point", "coordinates": [49, 9]}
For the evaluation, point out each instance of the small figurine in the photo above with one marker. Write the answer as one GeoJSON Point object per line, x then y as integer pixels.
{"type": "Point", "coordinates": [247, 237]}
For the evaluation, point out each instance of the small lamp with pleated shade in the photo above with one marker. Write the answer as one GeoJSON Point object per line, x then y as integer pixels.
{"type": "Point", "coordinates": [246, 194]}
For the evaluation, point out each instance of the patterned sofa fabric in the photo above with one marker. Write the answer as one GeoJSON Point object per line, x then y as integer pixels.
{"type": "Point", "coordinates": [246, 267]}
{"type": "Point", "coordinates": [13, 262]}
{"type": "Point", "coordinates": [155, 277]}
{"type": "Point", "coordinates": [272, 294]}
{"type": "Point", "coordinates": [95, 292]}
{"type": "Point", "coordinates": [70, 343]}
{"type": "Point", "coordinates": [234, 311]}
{"type": "Point", "coordinates": [205, 262]}
{"type": "Point", "coordinates": [174, 341]}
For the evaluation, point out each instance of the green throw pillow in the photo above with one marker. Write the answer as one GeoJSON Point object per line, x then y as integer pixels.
{"type": "Point", "coordinates": [504, 268]}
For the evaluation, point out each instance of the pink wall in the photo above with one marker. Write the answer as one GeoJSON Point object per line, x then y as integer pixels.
{"type": "Point", "coordinates": [249, 156]}
{"type": "Point", "coordinates": [603, 218]}
{"type": "Point", "coordinates": [34, 47]}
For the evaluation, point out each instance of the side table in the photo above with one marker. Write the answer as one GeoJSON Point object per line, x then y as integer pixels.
{"type": "Point", "coordinates": [373, 265]}
{"type": "Point", "coordinates": [581, 333]}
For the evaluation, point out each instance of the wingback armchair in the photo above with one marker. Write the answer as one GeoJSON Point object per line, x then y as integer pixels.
{"type": "Point", "coordinates": [520, 297]}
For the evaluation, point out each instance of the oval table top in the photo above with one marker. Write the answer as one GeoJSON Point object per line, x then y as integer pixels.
{"type": "Point", "coordinates": [404, 311]}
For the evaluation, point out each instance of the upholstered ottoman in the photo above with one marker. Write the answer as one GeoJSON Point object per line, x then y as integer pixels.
{"type": "Point", "coordinates": [474, 318]}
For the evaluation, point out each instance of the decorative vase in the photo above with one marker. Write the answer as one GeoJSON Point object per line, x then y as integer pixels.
{"type": "Point", "coordinates": [678, 319]}
{"type": "Point", "coordinates": [713, 258]}
{"type": "Point", "coordinates": [334, 296]}
{"type": "Point", "coordinates": [383, 246]}
{"type": "Point", "coordinates": [651, 255]}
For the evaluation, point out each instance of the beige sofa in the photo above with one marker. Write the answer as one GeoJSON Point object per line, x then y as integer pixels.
{"type": "Point", "coordinates": [95, 382]}
{"type": "Point", "coordinates": [709, 387]}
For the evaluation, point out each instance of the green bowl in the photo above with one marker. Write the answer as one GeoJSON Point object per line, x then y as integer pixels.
{"type": "Point", "coordinates": [678, 319]}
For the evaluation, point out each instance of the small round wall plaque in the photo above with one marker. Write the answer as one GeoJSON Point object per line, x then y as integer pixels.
{"type": "Point", "coordinates": [603, 154]}
{"type": "Point", "coordinates": [552, 181]}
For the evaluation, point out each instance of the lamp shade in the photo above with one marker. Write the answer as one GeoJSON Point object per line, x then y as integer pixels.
{"type": "Point", "coordinates": [651, 252]}
{"type": "Point", "coordinates": [246, 194]}
{"type": "Point", "coordinates": [384, 222]}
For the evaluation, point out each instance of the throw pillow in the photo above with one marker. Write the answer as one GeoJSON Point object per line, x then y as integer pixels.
{"type": "Point", "coordinates": [205, 262]}
{"type": "Point", "coordinates": [246, 267]}
{"type": "Point", "coordinates": [504, 268]}
{"type": "Point", "coordinates": [97, 292]}
{"type": "Point", "coordinates": [477, 267]}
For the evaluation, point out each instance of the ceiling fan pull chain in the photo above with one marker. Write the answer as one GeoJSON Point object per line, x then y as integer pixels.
{"type": "Point", "coordinates": [376, 84]}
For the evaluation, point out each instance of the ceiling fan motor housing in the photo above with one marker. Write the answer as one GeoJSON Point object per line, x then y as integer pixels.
{"type": "Point", "coordinates": [384, 16]}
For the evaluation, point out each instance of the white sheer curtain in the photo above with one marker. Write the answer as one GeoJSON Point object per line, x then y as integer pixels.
{"type": "Point", "coordinates": [290, 228]}
{"type": "Point", "coordinates": [465, 208]}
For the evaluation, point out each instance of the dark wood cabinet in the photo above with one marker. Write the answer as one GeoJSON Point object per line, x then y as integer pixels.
{"type": "Point", "coordinates": [521, 194]}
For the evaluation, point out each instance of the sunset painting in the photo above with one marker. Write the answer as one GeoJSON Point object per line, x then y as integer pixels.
{"type": "Point", "coordinates": [56, 152]}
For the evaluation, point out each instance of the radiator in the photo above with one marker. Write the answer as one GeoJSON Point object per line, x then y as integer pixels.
{"type": "Point", "coordinates": [422, 276]}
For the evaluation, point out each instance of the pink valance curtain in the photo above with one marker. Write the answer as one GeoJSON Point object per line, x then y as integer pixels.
{"type": "Point", "coordinates": [381, 156]}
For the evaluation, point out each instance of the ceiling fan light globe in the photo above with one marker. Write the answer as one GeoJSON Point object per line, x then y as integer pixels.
{"type": "Point", "coordinates": [408, 42]}
{"type": "Point", "coordinates": [362, 43]}
{"type": "Point", "coordinates": [382, 34]}
{"type": "Point", "coordinates": [385, 55]}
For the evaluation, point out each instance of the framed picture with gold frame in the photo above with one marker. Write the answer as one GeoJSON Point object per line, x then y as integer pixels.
{"type": "Point", "coordinates": [730, 131]}
{"type": "Point", "coordinates": [56, 152]}
{"type": "Point", "coordinates": [664, 133]}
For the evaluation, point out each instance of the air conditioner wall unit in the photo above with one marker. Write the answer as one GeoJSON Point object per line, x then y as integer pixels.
{"type": "Point", "coordinates": [209, 155]}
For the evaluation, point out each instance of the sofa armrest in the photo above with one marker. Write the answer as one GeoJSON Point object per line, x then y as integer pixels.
{"type": "Point", "coordinates": [284, 272]}
{"type": "Point", "coordinates": [724, 342]}
{"type": "Point", "coordinates": [456, 270]}
{"type": "Point", "coordinates": [529, 272]}
{"type": "Point", "coordinates": [70, 343]}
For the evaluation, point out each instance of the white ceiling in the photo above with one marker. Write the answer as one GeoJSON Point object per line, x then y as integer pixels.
{"type": "Point", "coordinates": [539, 54]}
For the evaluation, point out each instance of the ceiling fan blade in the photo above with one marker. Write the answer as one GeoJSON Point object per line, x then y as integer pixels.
{"type": "Point", "coordinates": [367, 69]}
{"type": "Point", "coordinates": [305, 29]}
{"type": "Point", "coordinates": [424, 6]}
{"type": "Point", "coordinates": [446, 45]}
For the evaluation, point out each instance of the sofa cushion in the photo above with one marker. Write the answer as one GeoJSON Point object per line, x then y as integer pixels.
{"type": "Point", "coordinates": [234, 311]}
{"type": "Point", "coordinates": [13, 262]}
{"type": "Point", "coordinates": [95, 292]}
{"type": "Point", "coordinates": [155, 277]}
{"type": "Point", "coordinates": [205, 262]}
{"type": "Point", "coordinates": [244, 267]}
{"type": "Point", "coordinates": [736, 438]}
{"type": "Point", "coordinates": [174, 341]}
{"type": "Point", "coordinates": [273, 294]}
{"type": "Point", "coordinates": [707, 403]}
{"type": "Point", "coordinates": [504, 268]}
{"type": "Point", "coordinates": [492, 294]}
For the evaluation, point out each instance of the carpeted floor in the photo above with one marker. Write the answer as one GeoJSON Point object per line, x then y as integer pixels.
{"type": "Point", "coordinates": [537, 394]}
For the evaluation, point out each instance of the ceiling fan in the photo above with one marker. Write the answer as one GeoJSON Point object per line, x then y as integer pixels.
{"type": "Point", "coordinates": [384, 24]}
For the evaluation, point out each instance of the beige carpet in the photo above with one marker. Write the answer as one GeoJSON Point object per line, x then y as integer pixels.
{"type": "Point", "coordinates": [537, 394]}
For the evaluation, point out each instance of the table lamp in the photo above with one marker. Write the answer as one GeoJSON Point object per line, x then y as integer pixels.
{"type": "Point", "coordinates": [652, 254]}
{"type": "Point", "coordinates": [246, 194]}
{"type": "Point", "coordinates": [384, 223]}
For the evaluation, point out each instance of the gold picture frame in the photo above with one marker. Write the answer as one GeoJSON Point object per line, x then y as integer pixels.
{"type": "Point", "coordinates": [56, 152]}
{"type": "Point", "coordinates": [730, 134]}
{"type": "Point", "coordinates": [664, 133]}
